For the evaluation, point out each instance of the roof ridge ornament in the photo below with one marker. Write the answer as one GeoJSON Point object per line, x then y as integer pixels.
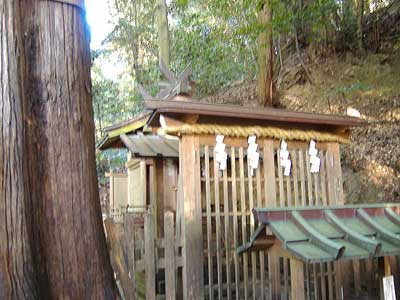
{"type": "Point", "coordinates": [174, 85]}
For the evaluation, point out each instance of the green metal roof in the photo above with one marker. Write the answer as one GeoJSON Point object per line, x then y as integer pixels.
{"type": "Point", "coordinates": [321, 234]}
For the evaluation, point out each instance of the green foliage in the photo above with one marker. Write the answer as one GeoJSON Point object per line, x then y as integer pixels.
{"type": "Point", "coordinates": [215, 37]}
{"type": "Point", "coordinates": [114, 100]}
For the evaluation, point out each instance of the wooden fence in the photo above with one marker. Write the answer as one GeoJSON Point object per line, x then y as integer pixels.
{"type": "Point", "coordinates": [153, 265]}
{"type": "Point", "coordinates": [228, 198]}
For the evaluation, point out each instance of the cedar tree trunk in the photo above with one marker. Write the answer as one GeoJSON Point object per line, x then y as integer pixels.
{"type": "Point", "coordinates": [16, 260]}
{"type": "Point", "coordinates": [69, 241]}
{"type": "Point", "coordinates": [265, 57]}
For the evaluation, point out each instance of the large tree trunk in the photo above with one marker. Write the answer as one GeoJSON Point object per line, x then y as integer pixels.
{"type": "Point", "coordinates": [16, 260]}
{"type": "Point", "coordinates": [163, 32]}
{"type": "Point", "coordinates": [265, 57]}
{"type": "Point", "coordinates": [73, 260]}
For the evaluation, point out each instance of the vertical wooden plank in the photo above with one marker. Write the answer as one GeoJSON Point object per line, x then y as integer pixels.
{"type": "Point", "coordinates": [243, 213]}
{"type": "Point", "coordinates": [394, 266]}
{"type": "Point", "coordinates": [297, 280]}
{"type": "Point", "coordinates": [285, 278]}
{"type": "Point", "coordinates": [217, 225]}
{"type": "Point", "coordinates": [159, 195]}
{"type": "Point", "coordinates": [316, 286]}
{"type": "Point", "coordinates": [170, 184]}
{"type": "Point", "coordinates": [149, 260]}
{"type": "Point", "coordinates": [323, 282]}
{"type": "Point", "coordinates": [280, 177]}
{"type": "Point", "coordinates": [235, 221]}
{"type": "Point", "coordinates": [271, 201]}
{"type": "Point", "coordinates": [330, 174]}
{"type": "Point", "coordinates": [251, 206]}
{"type": "Point", "coordinates": [357, 277]}
{"type": "Point", "coordinates": [330, 281]}
{"type": "Point", "coordinates": [338, 180]}
{"type": "Point", "coordinates": [269, 173]}
{"type": "Point", "coordinates": [153, 194]}
{"type": "Point", "coordinates": [302, 179]}
{"type": "Point", "coordinates": [309, 182]}
{"type": "Point", "coordinates": [170, 268]}
{"type": "Point", "coordinates": [323, 179]}
{"type": "Point", "coordinates": [262, 253]}
{"type": "Point", "coordinates": [338, 281]}
{"type": "Point", "coordinates": [227, 239]}
{"type": "Point", "coordinates": [130, 243]}
{"type": "Point", "coordinates": [209, 228]}
{"type": "Point", "coordinates": [369, 272]}
{"type": "Point", "coordinates": [193, 286]}
{"type": "Point", "coordinates": [316, 189]}
{"type": "Point", "coordinates": [295, 179]}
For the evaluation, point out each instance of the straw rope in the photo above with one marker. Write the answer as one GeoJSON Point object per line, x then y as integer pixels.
{"type": "Point", "coordinates": [260, 132]}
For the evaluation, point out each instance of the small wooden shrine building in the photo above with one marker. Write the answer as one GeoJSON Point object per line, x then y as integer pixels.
{"type": "Point", "coordinates": [194, 177]}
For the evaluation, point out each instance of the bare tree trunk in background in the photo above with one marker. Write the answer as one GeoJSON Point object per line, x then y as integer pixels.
{"type": "Point", "coordinates": [163, 32]}
{"type": "Point", "coordinates": [17, 274]}
{"type": "Point", "coordinates": [266, 87]}
{"type": "Point", "coordinates": [360, 22]}
{"type": "Point", "coordinates": [71, 256]}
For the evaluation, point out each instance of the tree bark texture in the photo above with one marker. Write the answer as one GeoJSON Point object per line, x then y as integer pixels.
{"type": "Point", "coordinates": [163, 32]}
{"type": "Point", "coordinates": [16, 259]}
{"type": "Point", "coordinates": [265, 57]}
{"type": "Point", "coordinates": [54, 165]}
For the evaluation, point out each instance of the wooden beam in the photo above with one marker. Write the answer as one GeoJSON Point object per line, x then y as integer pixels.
{"type": "Point", "coordinates": [193, 286]}
{"type": "Point", "coordinates": [297, 280]}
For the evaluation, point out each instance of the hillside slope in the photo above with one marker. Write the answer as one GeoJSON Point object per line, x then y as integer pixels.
{"type": "Point", "coordinates": [371, 85]}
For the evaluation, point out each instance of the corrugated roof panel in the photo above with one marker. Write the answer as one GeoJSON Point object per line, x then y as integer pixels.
{"type": "Point", "coordinates": [289, 231]}
{"type": "Point", "coordinates": [142, 145]}
{"type": "Point", "coordinates": [389, 225]}
{"type": "Point", "coordinates": [325, 228]}
{"type": "Point", "coordinates": [358, 225]}
{"type": "Point", "coordinates": [307, 251]}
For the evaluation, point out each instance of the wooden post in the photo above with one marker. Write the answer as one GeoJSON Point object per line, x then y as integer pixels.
{"type": "Point", "coordinates": [335, 186]}
{"type": "Point", "coordinates": [149, 256]}
{"type": "Point", "coordinates": [130, 247]}
{"type": "Point", "coordinates": [193, 286]}
{"type": "Point", "coordinates": [170, 268]}
{"type": "Point", "coordinates": [297, 280]}
{"type": "Point", "coordinates": [357, 277]}
{"type": "Point", "coordinates": [270, 197]}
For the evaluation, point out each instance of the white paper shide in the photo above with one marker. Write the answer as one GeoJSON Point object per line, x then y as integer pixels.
{"type": "Point", "coordinates": [253, 154]}
{"type": "Point", "coordinates": [286, 163]}
{"type": "Point", "coordinates": [220, 153]}
{"type": "Point", "coordinates": [315, 161]}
